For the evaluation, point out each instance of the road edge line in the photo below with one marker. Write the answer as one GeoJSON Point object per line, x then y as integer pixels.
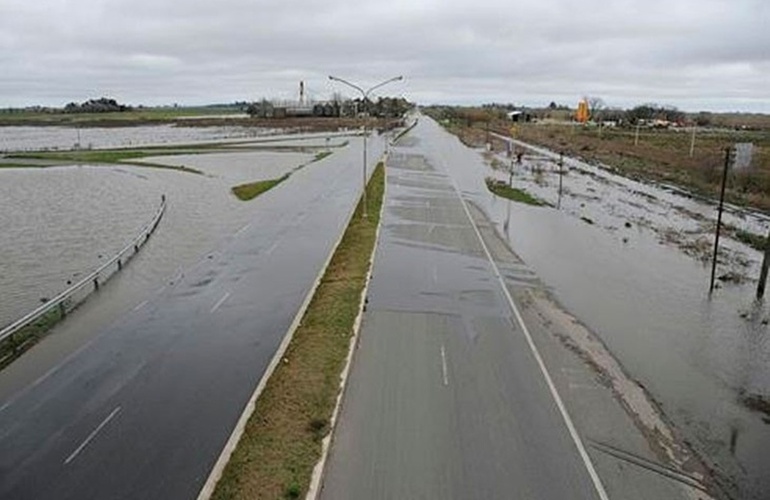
{"type": "Point", "coordinates": [591, 469]}
{"type": "Point", "coordinates": [207, 490]}
{"type": "Point", "coordinates": [316, 480]}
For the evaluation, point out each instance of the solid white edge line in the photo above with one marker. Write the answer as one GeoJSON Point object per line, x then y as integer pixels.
{"type": "Point", "coordinates": [91, 436]}
{"type": "Point", "coordinates": [597, 482]}
{"type": "Point", "coordinates": [219, 466]}
{"type": "Point", "coordinates": [316, 480]}
{"type": "Point", "coordinates": [220, 302]}
{"type": "Point", "coordinates": [443, 365]}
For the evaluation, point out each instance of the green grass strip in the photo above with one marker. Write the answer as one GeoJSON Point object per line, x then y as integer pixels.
{"type": "Point", "coordinates": [18, 343]}
{"type": "Point", "coordinates": [282, 440]}
{"type": "Point", "coordinates": [755, 241]}
{"type": "Point", "coordinates": [320, 156]}
{"type": "Point", "coordinates": [251, 190]}
{"type": "Point", "coordinates": [502, 189]}
{"type": "Point", "coordinates": [102, 156]}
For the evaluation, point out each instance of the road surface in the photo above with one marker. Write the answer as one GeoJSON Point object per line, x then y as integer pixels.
{"type": "Point", "coordinates": [144, 409]}
{"type": "Point", "coordinates": [446, 398]}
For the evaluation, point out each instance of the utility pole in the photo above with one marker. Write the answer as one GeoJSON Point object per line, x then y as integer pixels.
{"type": "Point", "coordinates": [364, 97]}
{"type": "Point", "coordinates": [366, 202]}
{"type": "Point", "coordinates": [719, 219]}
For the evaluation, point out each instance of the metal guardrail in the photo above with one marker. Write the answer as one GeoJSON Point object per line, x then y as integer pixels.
{"type": "Point", "coordinates": [64, 302]}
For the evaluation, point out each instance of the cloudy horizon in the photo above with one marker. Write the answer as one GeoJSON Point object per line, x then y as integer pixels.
{"type": "Point", "coordinates": [706, 55]}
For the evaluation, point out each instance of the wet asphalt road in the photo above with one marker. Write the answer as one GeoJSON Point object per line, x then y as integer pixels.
{"type": "Point", "coordinates": [445, 398]}
{"type": "Point", "coordinates": [143, 410]}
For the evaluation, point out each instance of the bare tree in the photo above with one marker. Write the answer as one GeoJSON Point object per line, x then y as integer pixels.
{"type": "Point", "coordinates": [595, 107]}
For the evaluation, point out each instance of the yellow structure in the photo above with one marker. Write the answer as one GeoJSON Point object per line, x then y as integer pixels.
{"type": "Point", "coordinates": [582, 114]}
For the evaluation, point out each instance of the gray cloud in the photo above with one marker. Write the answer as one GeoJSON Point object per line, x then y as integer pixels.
{"type": "Point", "coordinates": [712, 54]}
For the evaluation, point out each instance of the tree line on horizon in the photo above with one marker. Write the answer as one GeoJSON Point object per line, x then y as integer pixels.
{"type": "Point", "coordinates": [600, 113]}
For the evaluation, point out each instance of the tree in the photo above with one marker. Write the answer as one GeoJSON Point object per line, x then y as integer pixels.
{"type": "Point", "coordinates": [703, 119]}
{"type": "Point", "coordinates": [261, 109]}
{"type": "Point", "coordinates": [101, 105]}
{"type": "Point", "coordinates": [595, 107]}
{"type": "Point", "coordinates": [652, 111]}
{"type": "Point", "coordinates": [641, 112]}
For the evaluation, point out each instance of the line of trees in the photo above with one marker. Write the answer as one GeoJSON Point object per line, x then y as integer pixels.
{"type": "Point", "coordinates": [655, 112]}
{"type": "Point", "coordinates": [384, 107]}
{"type": "Point", "coordinates": [101, 105]}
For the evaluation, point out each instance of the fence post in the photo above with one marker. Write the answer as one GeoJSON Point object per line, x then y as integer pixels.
{"type": "Point", "coordinates": [765, 266]}
{"type": "Point", "coordinates": [719, 219]}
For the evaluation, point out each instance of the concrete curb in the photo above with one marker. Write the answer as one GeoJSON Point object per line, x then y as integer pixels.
{"type": "Point", "coordinates": [316, 481]}
{"type": "Point", "coordinates": [219, 466]}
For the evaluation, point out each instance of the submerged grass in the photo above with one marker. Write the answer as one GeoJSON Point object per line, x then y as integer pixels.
{"type": "Point", "coordinates": [282, 440]}
{"type": "Point", "coordinates": [320, 156]}
{"type": "Point", "coordinates": [502, 189]}
{"type": "Point", "coordinates": [251, 190]}
{"type": "Point", "coordinates": [103, 156]}
{"type": "Point", "coordinates": [18, 343]}
{"type": "Point", "coordinates": [755, 241]}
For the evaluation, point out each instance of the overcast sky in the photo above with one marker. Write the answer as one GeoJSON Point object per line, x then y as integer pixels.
{"type": "Point", "coordinates": [694, 54]}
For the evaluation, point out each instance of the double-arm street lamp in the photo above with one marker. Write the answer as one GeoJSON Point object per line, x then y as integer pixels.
{"type": "Point", "coordinates": [364, 97]}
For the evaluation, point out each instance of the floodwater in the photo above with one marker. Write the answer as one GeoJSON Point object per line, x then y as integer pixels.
{"type": "Point", "coordinates": [60, 223]}
{"type": "Point", "coordinates": [53, 138]}
{"type": "Point", "coordinates": [644, 290]}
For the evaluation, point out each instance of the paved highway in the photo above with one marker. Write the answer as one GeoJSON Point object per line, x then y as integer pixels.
{"type": "Point", "coordinates": [143, 410]}
{"type": "Point", "coordinates": [446, 397]}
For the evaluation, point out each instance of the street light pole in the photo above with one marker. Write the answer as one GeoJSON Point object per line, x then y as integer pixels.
{"type": "Point", "coordinates": [364, 97]}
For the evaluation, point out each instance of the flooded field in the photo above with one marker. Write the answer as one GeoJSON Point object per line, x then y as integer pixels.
{"type": "Point", "coordinates": [631, 261]}
{"type": "Point", "coordinates": [53, 138]}
{"type": "Point", "coordinates": [60, 223]}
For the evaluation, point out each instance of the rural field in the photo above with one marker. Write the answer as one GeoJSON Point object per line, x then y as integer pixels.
{"type": "Point", "coordinates": [204, 116]}
{"type": "Point", "coordinates": [661, 155]}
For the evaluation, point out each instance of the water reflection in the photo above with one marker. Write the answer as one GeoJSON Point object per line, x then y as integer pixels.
{"type": "Point", "coordinates": [645, 297]}
{"type": "Point", "coordinates": [37, 138]}
{"type": "Point", "coordinates": [60, 223]}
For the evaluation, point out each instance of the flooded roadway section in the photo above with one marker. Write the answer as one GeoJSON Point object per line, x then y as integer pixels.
{"type": "Point", "coordinates": [700, 358]}
{"type": "Point", "coordinates": [143, 408]}
{"type": "Point", "coordinates": [448, 396]}
{"type": "Point", "coordinates": [60, 223]}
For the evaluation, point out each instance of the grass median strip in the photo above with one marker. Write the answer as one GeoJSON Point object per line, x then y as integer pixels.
{"type": "Point", "coordinates": [251, 190]}
{"type": "Point", "coordinates": [282, 440]}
